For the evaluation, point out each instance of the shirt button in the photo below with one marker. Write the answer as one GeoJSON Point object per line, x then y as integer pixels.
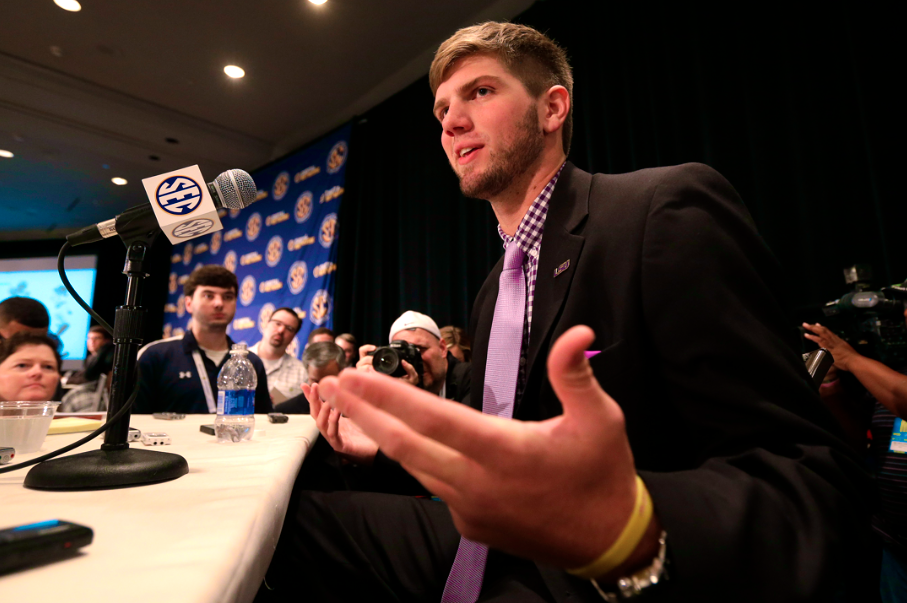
{"type": "Point", "coordinates": [523, 361]}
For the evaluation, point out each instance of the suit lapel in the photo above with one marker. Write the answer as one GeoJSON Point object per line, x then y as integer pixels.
{"type": "Point", "coordinates": [559, 255]}
{"type": "Point", "coordinates": [483, 310]}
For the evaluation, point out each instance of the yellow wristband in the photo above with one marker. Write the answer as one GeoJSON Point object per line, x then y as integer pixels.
{"type": "Point", "coordinates": [626, 542]}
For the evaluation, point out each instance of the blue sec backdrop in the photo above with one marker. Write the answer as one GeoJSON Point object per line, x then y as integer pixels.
{"type": "Point", "coordinates": [282, 248]}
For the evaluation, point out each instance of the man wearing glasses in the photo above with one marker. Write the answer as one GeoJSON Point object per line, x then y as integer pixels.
{"type": "Point", "coordinates": [285, 372]}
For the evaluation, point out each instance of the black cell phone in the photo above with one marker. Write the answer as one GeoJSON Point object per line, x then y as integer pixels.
{"type": "Point", "coordinates": [277, 417]}
{"type": "Point", "coordinates": [41, 542]}
{"type": "Point", "coordinates": [209, 429]}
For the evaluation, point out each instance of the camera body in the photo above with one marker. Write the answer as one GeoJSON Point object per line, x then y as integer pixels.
{"type": "Point", "coordinates": [388, 359]}
{"type": "Point", "coordinates": [870, 321]}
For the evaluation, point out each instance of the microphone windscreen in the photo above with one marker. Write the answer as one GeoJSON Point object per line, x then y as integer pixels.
{"type": "Point", "coordinates": [237, 189]}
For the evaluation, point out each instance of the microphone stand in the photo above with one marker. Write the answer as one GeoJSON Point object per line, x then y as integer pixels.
{"type": "Point", "coordinates": [116, 465]}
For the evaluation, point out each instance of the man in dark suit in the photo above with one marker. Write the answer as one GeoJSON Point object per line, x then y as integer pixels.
{"type": "Point", "coordinates": [692, 398]}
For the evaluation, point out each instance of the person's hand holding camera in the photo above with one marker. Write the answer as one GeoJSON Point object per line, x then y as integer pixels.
{"type": "Point", "coordinates": [840, 350]}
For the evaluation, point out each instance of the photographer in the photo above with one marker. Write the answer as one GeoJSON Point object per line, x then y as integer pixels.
{"type": "Point", "coordinates": [886, 385]}
{"type": "Point", "coordinates": [887, 390]}
{"type": "Point", "coordinates": [441, 374]}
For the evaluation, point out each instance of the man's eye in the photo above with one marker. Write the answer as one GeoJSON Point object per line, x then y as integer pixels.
{"type": "Point", "coordinates": [482, 91]}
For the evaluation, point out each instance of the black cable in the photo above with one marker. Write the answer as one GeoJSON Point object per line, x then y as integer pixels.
{"type": "Point", "coordinates": [79, 300]}
{"type": "Point", "coordinates": [78, 443]}
{"type": "Point", "coordinates": [119, 413]}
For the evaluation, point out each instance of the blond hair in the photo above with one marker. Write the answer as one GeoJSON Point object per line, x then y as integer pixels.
{"type": "Point", "coordinates": [534, 58]}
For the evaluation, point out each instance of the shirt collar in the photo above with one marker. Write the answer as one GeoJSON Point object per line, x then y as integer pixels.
{"type": "Point", "coordinates": [529, 233]}
{"type": "Point", "coordinates": [190, 344]}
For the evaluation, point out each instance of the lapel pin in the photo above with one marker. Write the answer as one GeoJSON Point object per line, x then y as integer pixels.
{"type": "Point", "coordinates": [561, 268]}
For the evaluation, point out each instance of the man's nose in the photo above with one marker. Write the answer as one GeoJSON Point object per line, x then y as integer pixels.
{"type": "Point", "coordinates": [456, 119]}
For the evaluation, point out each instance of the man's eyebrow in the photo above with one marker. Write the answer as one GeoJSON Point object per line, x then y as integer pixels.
{"type": "Point", "coordinates": [466, 88]}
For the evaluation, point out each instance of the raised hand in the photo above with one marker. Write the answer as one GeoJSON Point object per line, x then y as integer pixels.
{"type": "Point", "coordinates": [557, 491]}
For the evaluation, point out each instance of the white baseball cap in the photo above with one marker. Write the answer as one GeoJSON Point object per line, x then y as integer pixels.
{"type": "Point", "coordinates": [412, 320]}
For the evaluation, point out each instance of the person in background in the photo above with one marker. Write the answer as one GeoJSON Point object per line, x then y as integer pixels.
{"type": "Point", "coordinates": [886, 398]}
{"type": "Point", "coordinates": [458, 343]}
{"type": "Point", "coordinates": [320, 334]}
{"type": "Point", "coordinates": [321, 359]}
{"type": "Point", "coordinates": [179, 374]}
{"type": "Point", "coordinates": [348, 342]}
{"type": "Point", "coordinates": [99, 359]}
{"type": "Point", "coordinates": [29, 367]}
{"type": "Point", "coordinates": [285, 372]}
{"type": "Point", "coordinates": [18, 314]}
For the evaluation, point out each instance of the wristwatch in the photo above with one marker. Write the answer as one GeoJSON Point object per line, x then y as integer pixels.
{"type": "Point", "coordinates": [632, 586]}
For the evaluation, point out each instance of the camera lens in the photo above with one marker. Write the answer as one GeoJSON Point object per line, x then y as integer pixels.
{"type": "Point", "coordinates": [386, 361]}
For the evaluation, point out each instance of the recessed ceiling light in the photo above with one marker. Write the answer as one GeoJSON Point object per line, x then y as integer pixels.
{"type": "Point", "coordinates": [118, 181]}
{"type": "Point", "coordinates": [234, 71]}
{"type": "Point", "coordinates": [5, 153]}
{"type": "Point", "coordinates": [318, 1]}
{"type": "Point", "coordinates": [70, 5]}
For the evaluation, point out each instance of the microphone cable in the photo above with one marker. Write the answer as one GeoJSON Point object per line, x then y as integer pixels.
{"type": "Point", "coordinates": [116, 416]}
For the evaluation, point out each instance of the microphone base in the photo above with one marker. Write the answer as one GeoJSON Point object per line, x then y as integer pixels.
{"type": "Point", "coordinates": [102, 469]}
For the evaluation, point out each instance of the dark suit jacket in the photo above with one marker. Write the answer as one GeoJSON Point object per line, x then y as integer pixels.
{"type": "Point", "coordinates": [759, 497]}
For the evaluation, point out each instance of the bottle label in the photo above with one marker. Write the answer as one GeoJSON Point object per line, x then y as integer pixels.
{"type": "Point", "coordinates": [236, 402]}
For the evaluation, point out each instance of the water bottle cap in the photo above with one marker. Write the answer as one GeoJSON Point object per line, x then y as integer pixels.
{"type": "Point", "coordinates": [240, 348]}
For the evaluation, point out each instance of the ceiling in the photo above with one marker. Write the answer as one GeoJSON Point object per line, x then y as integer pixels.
{"type": "Point", "coordinates": [134, 89]}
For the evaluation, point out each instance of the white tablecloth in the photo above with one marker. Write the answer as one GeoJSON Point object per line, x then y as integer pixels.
{"type": "Point", "coordinates": [205, 537]}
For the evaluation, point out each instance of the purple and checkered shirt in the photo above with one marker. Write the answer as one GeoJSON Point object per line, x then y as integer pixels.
{"type": "Point", "coordinates": [529, 237]}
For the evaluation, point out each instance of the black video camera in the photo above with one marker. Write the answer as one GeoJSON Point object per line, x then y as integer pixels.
{"type": "Point", "coordinates": [389, 359]}
{"type": "Point", "coordinates": [870, 321]}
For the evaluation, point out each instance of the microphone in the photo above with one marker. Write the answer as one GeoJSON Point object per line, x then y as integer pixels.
{"type": "Point", "coordinates": [233, 189]}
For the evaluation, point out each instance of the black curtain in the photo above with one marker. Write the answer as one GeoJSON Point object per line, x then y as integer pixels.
{"type": "Point", "coordinates": [794, 106]}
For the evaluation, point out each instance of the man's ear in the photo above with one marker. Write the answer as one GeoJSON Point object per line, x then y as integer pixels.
{"type": "Point", "coordinates": [556, 108]}
{"type": "Point", "coordinates": [188, 302]}
{"type": "Point", "coordinates": [443, 345]}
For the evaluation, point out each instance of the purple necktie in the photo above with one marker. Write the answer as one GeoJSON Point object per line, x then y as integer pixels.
{"type": "Point", "coordinates": [501, 371]}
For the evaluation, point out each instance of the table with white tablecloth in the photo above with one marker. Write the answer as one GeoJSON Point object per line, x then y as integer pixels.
{"type": "Point", "coordinates": [205, 537]}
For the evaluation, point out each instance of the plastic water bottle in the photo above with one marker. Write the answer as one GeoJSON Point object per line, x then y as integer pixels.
{"type": "Point", "coordinates": [236, 385]}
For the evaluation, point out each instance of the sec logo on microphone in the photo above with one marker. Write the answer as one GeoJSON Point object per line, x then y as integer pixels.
{"type": "Point", "coordinates": [193, 228]}
{"type": "Point", "coordinates": [178, 195]}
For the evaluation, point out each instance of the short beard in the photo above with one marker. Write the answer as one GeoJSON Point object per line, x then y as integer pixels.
{"type": "Point", "coordinates": [510, 164]}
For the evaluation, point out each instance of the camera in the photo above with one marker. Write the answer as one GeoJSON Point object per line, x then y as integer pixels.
{"type": "Point", "coordinates": [388, 359]}
{"type": "Point", "coordinates": [870, 321]}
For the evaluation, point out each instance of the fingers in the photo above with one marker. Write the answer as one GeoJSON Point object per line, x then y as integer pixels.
{"type": "Point", "coordinates": [423, 455]}
{"type": "Point", "coordinates": [571, 376]}
{"type": "Point", "coordinates": [315, 403]}
{"type": "Point", "coordinates": [411, 375]}
{"type": "Point", "coordinates": [451, 424]}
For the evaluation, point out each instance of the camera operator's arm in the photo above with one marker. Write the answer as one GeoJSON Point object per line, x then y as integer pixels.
{"type": "Point", "coordinates": [887, 385]}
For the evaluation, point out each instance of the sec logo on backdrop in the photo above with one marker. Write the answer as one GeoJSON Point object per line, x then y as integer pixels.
{"type": "Point", "coordinates": [171, 284]}
{"type": "Point", "coordinates": [247, 290]}
{"type": "Point", "coordinates": [320, 310]}
{"type": "Point", "coordinates": [297, 277]}
{"type": "Point", "coordinates": [192, 228]}
{"type": "Point", "coordinates": [178, 195]}
{"type": "Point", "coordinates": [303, 208]}
{"type": "Point", "coordinates": [187, 254]}
{"type": "Point", "coordinates": [293, 348]}
{"type": "Point", "coordinates": [337, 157]}
{"type": "Point", "coordinates": [216, 240]}
{"type": "Point", "coordinates": [328, 230]}
{"type": "Point", "coordinates": [264, 315]}
{"type": "Point", "coordinates": [234, 213]}
{"type": "Point", "coordinates": [181, 306]}
{"type": "Point", "coordinates": [230, 261]}
{"type": "Point", "coordinates": [274, 251]}
{"type": "Point", "coordinates": [253, 227]}
{"type": "Point", "coordinates": [281, 184]}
